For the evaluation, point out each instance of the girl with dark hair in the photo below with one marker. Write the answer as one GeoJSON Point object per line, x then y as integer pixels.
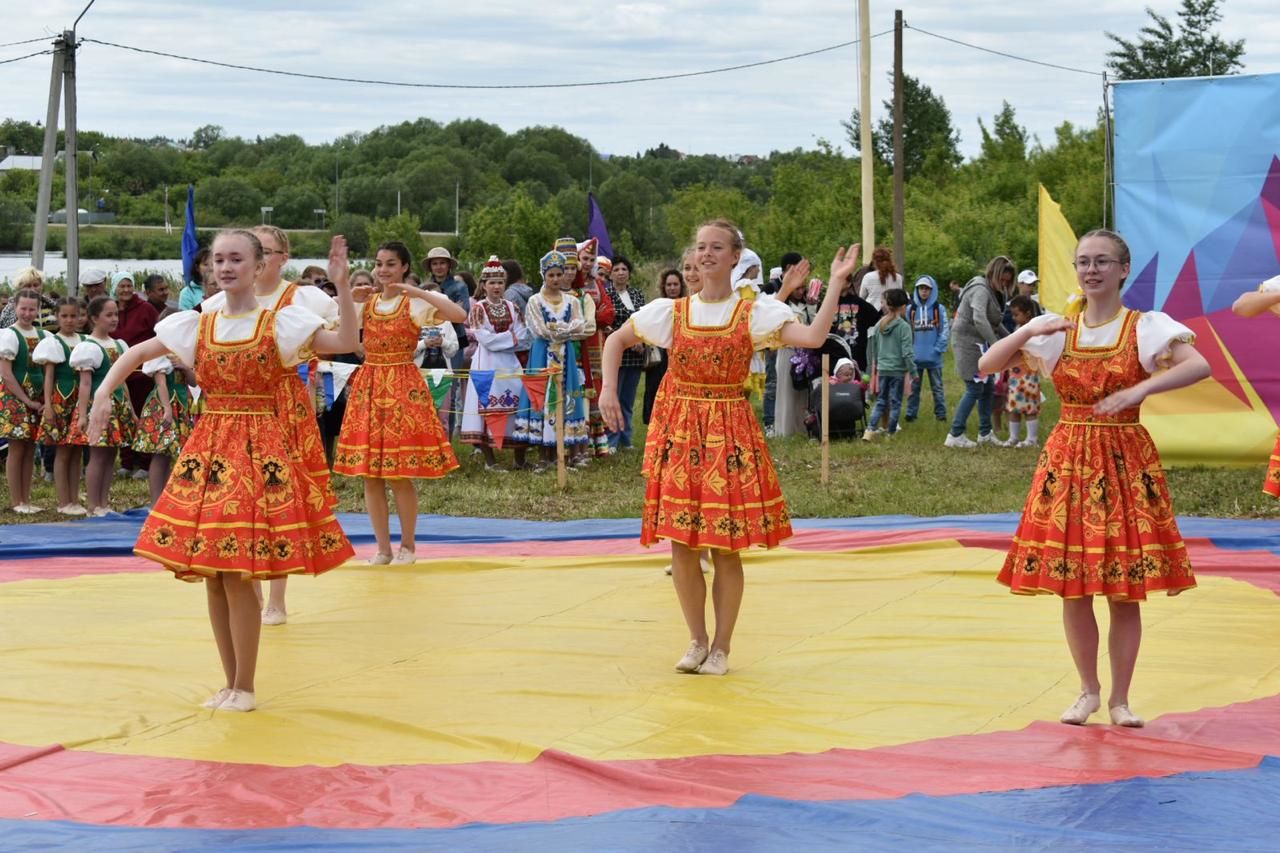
{"type": "Point", "coordinates": [391, 434]}
{"type": "Point", "coordinates": [93, 358]}
{"type": "Point", "coordinates": [21, 396]}
{"type": "Point", "coordinates": [1098, 520]}
{"type": "Point", "coordinates": [670, 286]}
{"type": "Point", "coordinates": [627, 299]}
{"type": "Point", "coordinates": [61, 390]}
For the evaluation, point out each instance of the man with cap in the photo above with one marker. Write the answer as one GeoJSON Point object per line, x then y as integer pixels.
{"type": "Point", "coordinates": [439, 266]}
{"type": "Point", "coordinates": [93, 283]}
{"type": "Point", "coordinates": [931, 334]}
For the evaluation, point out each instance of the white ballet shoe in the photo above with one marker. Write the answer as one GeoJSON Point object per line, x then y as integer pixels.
{"type": "Point", "coordinates": [693, 658]}
{"type": "Point", "coordinates": [274, 616]}
{"type": "Point", "coordinates": [1083, 708]}
{"type": "Point", "coordinates": [239, 700]}
{"type": "Point", "coordinates": [218, 698]}
{"type": "Point", "coordinates": [404, 557]}
{"type": "Point", "coordinates": [72, 509]}
{"type": "Point", "coordinates": [717, 663]}
{"type": "Point", "coordinates": [380, 559]}
{"type": "Point", "coordinates": [1122, 716]}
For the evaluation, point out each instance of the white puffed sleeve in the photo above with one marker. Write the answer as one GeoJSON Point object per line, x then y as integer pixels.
{"type": "Point", "coordinates": [8, 344]}
{"type": "Point", "coordinates": [178, 333]}
{"type": "Point", "coordinates": [1271, 285]}
{"type": "Point", "coordinates": [653, 323]}
{"type": "Point", "coordinates": [768, 316]}
{"type": "Point", "coordinates": [215, 302]}
{"type": "Point", "coordinates": [423, 313]}
{"type": "Point", "coordinates": [1042, 352]}
{"type": "Point", "coordinates": [317, 302]}
{"type": "Point", "coordinates": [295, 329]}
{"type": "Point", "coordinates": [163, 364]}
{"type": "Point", "coordinates": [1157, 333]}
{"type": "Point", "coordinates": [86, 356]}
{"type": "Point", "coordinates": [48, 351]}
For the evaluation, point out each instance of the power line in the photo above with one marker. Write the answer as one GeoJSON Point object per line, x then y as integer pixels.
{"type": "Point", "coordinates": [403, 84]}
{"type": "Point", "coordinates": [28, 41]}
{"type": "Point", "coordinates": [28, 56]}
{"type": "Point", "coordinates": [1002, 53]}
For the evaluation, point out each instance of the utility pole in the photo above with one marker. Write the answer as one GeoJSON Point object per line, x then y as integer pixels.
{"type": "Point", "coordinates": [864, 101]}
{"type": "Point", "coordinates": [41, 230]}
{"type": "Point", "coordinates": [899, 164]}
{"type": "Point", "coordinates": [457, 208]}
{"type": "Point", "coordinates": [72, 163]}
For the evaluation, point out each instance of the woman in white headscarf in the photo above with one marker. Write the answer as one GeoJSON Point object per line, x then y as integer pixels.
{"type": "Point", "coordinates": [746, 280]}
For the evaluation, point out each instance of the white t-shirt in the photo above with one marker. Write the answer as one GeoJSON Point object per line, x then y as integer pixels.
{"type": "Point", "coordinates": [1157, 333]}
{"type": "Point", "coordinates": [873, 287]}
{"type": "Point", "coordinates": [295, 326]}
{"type": "Point", "coordinates": [655, 322]}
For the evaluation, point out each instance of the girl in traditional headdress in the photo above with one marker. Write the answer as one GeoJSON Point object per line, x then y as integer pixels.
{"type": "Point", "coordinates": [498, 331]}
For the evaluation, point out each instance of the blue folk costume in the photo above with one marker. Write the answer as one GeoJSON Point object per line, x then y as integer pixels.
{"type": "Point", "coordinates": [553, 319]}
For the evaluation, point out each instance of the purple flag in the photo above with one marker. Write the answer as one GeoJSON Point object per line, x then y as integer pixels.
{"type": "Point", "coordinates": [596, 227]}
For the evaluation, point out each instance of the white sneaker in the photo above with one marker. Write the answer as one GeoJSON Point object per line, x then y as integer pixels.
{"type": "Point", "coordinates": [990, 438]}
{"type": "Point", "coordinates": [404, 557]}
{"type": "Point", "coordinates": [1080, 710]}
{"type": "Point", "coordinates": [770, 432]}
{"type": "Point", "coordinates": [1028, 442]}
{"type": "Point", "coordinates": [274, 616]}
{"type": "Point", "coordinates": [717, 663]}
{"type": "Point", "coordinates": [959, 441]}
{"type": "Point", "coordinates": [870, 434]}
{"type": "Point", "coordinates": [693, 658]}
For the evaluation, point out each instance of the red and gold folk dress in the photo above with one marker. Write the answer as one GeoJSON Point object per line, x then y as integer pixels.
{"type": "Point", "coordinates": [391, 429]}
{"type": "Point", "coordinates": [1098, 519]}
{"type": "Point", "coordinates": [710, 480]}
{"type": "Point", "coordinates": [294, 405]}
{"type": "Point", "coordinates": [236, 500]}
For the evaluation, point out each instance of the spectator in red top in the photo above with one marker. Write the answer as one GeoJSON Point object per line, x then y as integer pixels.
{"type": "Point", "coordinates": [138, 319]}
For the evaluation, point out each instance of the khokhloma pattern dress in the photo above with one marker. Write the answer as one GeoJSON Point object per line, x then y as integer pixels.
{"type": "Point", "coordinates": [710, 480]}
{"type": "Point", "coordinates": [391, 429]}
{"type": "Point", "coordinates": [1098, 519]}
{"type": "Point", "coordinates": [237, 501]}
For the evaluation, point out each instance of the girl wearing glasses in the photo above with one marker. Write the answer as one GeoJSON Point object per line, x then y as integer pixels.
{"type": "Point", "coordinates": [1098, 520]}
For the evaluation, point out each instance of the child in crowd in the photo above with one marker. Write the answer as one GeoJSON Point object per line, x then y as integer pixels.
{"type": "Point", "coordinates": [391, 434]}
{"type": "Point", "coordinates": [166, 420]}
{"type": "Point", "coordinates": [1024, 384]}
{"type": "Point", "coordinates": [932, 332]}
{"type": "Point", "coordinates": [92, 359]}
{"type": "Point", "coordinates": [21, 397]}
{"type": "Point", "coordinates": [846, 373]}
{"type": "Point", "coordinates": [61, 390]}
{"type": "Point", "coordinates": [498, 331]}
{"type": "Point", "coordinates": [891, 353]}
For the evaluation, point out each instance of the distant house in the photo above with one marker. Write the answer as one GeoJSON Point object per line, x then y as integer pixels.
{"type": "Point", "coordinates": [21, 163]}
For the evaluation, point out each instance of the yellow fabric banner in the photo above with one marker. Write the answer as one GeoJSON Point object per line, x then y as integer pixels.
{"type": "Point", "coordinates": [1057, 246]}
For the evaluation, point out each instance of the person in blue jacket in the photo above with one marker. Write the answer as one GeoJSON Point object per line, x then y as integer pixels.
{"type": "Point", "coordinates": [928, 319]}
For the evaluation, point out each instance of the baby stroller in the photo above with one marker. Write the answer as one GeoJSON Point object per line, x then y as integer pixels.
{"type": "Point", "coordinates": [847, 401]}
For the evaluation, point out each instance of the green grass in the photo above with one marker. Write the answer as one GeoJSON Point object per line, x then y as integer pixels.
{"type": "Point", "coordinates": [911, 474]}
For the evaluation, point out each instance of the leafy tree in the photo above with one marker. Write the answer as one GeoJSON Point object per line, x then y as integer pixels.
{"type": "Point", "coordinates": [518, 227]}
{"type": "Point", "coordinates": [15, 223]}
{"type": "Point", "coordinates": [927, 134]}
{"type": "Point", "coordinates": [355, 228]}
{"type": "Point", "coordinates": [205, 136]}
{"type": "Point", "coordinates": [1190, 50]}
{"type": "Point", "coordinates": [403, 228]}
{"type": "Point", "coordinates": [22, 136]}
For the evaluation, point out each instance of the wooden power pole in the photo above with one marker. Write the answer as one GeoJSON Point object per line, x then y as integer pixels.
{"type": "Point", "coordinates": [899, 164]}
{"type": "Point", "coordinates": [864, 107]}
{"type": "Point", "coordinates": [62, 83]}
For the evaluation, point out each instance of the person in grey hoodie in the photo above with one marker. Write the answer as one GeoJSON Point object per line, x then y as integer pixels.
{"type": "Point", "coordinates": [928, 318]}
{"type": "Point", "coordinates": [890, 352]}
{"type": "Point", "coordinates": [977, 327]}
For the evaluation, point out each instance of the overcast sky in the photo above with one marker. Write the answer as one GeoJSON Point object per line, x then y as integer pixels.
{"type": "Point", "coordinates": [780, 106]}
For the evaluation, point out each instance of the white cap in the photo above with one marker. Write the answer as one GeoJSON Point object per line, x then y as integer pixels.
{"type": "Point", "coordinates": [775, 272]}
{"type": "Point", "coordinates": [93, 275]}
{"type": "Point", "coordinates": [1028, 277]}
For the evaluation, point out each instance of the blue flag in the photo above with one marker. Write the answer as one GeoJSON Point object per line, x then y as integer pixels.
{"type": "Point", "coordinates": [596, 227]}
{"type": "Point", "coordinates": [190, 245]}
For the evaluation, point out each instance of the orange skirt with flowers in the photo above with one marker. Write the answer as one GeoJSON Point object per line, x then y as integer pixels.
{"type": "Point", "coordinates": [391, 429]}
{"type": "Point", "coordinates": [1272, 484]}
{"type": "Point", "coordinates": [302, 436]}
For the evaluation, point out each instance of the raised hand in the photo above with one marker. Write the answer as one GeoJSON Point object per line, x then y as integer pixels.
{"type": "Point", "coordinates": [794, 279]}
{"type": "Point", "coordinates": [339, 266]}
{"type": "Point", "coordinates": [843, 265]}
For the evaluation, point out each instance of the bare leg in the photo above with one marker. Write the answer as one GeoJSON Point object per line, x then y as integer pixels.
{"type": "Point", "coordinates": [75, 472]}
{"type": "Point", "coordinates": [691, 590]}
{"type": "Point", "coordinates": [375, 502]}
{"type": "Point", "coordinates": [1082, 639]}
{"type": "Point", "coordinates": [98, 476]}
{"type": "Point", "coordinates": [726, 597]}
{"type": "Point", "coordinates": [407, 511]}
{"type": "Point", "coordinates": [1122, 644]}
{"type": "Point", "coordinates": [245, 624]}
{"type": "Point", "coordinates": [18, 473]}
{"type": "Point", "coordinates": [158, 475]}
{"type": "Point", "coordinates": [67, 489]}
{"type": "Point", "coordinates": [220, 620]}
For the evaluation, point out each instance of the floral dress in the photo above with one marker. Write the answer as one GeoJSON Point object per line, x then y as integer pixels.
{"type": "Point", "coordinates": [96, 357]}
{"type": "Point", "coordinates": [154, 435]}
{"type": "Point", "coordinates": [1023, 391]}
{"type": "Point", "coordinates": [391, 429]}
{"type": "Point", "coordinates": [553, 326]}
{"type": "Point", "coordinates": [17, 420]}
{"type": "Point", "coordinates": [499, 332]}
{"type": "Point", "coordinates": [710, 480]}
{"type": "Point", "coordinates": [56, 350]}
{"type": "Point", "coordinates": [1098, 519]}
{"type": "Point", "coordinates": [297, 411]}
{"type": "Point", "coordinates": [237, 501]}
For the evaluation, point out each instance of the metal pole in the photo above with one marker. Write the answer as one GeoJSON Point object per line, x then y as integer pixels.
{"type": "Point", "coordinates": [560, 469]}
{"type": "Point", "coordinates": [72, 164]}
{"type": "Point", "coordinates": [864, 101]}
{"type": "Point", "coordinates": [899, 157]}
{"type": "Point", "coordinates": [1107, 200]}
{"type": "Point", "coordinates": [41, 230]}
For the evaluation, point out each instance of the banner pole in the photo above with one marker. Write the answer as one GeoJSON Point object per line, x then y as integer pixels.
{"type": "Point", "coordinates": [825, 476]}
{"type": "Point", "coordinates": [560, 467]}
